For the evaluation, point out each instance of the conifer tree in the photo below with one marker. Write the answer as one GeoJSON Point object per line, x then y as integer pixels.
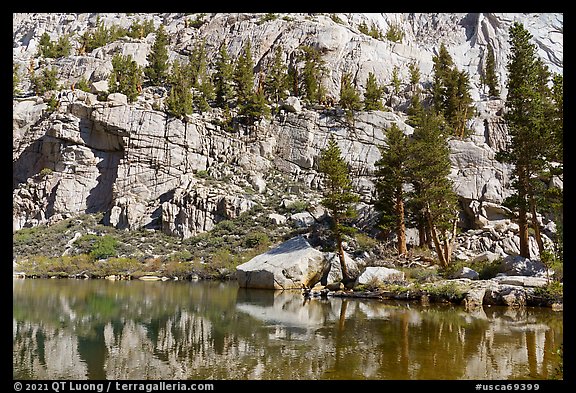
{"type": "Point", "coordinates": [157, 68]}
{"type": "Point", "coordinates": [414, 72]}
{"type": "Point", "coordinates": [200, 80]}
{"type": "Point", "coordinates": [415, 109]}
{"type": "Point", "coordinates": [45, 46]}
{"type": "Point", "coordinates": [490, 77]}
{"type": "Point", "coordinates": [451, 93]}
{"type": "Point", "coordinates": [49, 49]}
{"type": "Point", "coordinates": [223, 78]}
{"type": "Point", "coordinates": [256, 107]}
{"type": "Point", "coordinates": [179, 102]}
{"type": "Point", "coordinates": [244, 75]}
{"type": "Point", "coordinates": [395, 82]}
{"type": "Point", "coordinates": [443, 64]}
{"type": "Point", "coordinates": [339, 197]}
{"type": "Point", "coordinates": [276, 82]}
{"type": "Point", "coordinates": [47, 81]}
{"type": "Point", "coordinates": [458, 108]}
{"type": "Point", "coordinates": [349, 96]}
{"type": "Point", "coordinates": [197, 64]}
{"type": "Point", "coordinates": [433, 192]}
{"type": "Point", "coordinates": [293, 80]}
{"type": "Point", "coordinates": [373, 94]}
{"type": "Point", "coordinates": [251, 104]}
{"type": "Point", "coordinates": [15, 79]}
{"type": "Point", "coordinates": [206, 93]}
{"type": "Point", "coordinates": [527, 117]}
{"type": "Point", "coordinates": [557, 120]}
{"type": "Point", "coordinates": [391, 176]}
{"type": "Point", "coordinates": [126, 77]}
{"type": "Point", "coordinates": [314, 66]}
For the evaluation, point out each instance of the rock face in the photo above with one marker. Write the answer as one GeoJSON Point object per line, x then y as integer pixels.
{"type": "Point", "coordinates": [292, 265]}
{"type": "Point", "coordinates": [143, 168]}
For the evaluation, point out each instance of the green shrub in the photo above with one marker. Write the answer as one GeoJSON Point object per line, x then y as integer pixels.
{"type": "Point", "coordinates": [551, 293]}
{"type": "Point", "coordinates": [83, 85]}
{"type": "Point", "coordinates": [104, 247]}
{"type": "Point", "coordinates": [256, 239]}
{"type": "Point", "coordinates": [421, 274]}
{"type": "Point", "coordinates": [123, 266]}
{"type": "Point", "coordinates": [365, 242]}
{"type": "Point", "coordinates": [180, 256]}
{"type": "Point", "coordinates": [446, 292]}
{"type": "Point", "coordinates": [266, 18]}
{"type": "Point", "coordinates": [178, 269]}
{"type": "Point", "coordinates": [198, 22]}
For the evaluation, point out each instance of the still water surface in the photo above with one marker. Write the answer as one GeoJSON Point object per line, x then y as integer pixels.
{"type": "Point", "coordinates": [98, 329]}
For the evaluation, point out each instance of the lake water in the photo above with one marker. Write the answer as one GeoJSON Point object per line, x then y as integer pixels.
{"type": "Point", "coordinates": [99, 329]}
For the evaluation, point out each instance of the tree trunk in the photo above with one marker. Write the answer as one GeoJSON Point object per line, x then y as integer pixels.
{"type": "Point", "coordinates": [449, 243]}
{"type": "Point", "coordinates": [523, 233]}
{"type": "Point", "coordinates": [400, 225]}
{"type": "Point", "coordinates": [437, 245]}
{"type": "Point", "coordinates": [421, 235]}
{"type": "Point", "coordinates": [341, 256]}
{"type": "Point", "coordinates": [522, 213]}
{"type": "Point", "coordinates": [536, 226]}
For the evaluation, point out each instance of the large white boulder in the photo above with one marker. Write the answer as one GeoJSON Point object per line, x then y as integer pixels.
{"type": "Point", "coordinates": [379, 274]}
{"type": "Point", "coordinates": [291, 265]}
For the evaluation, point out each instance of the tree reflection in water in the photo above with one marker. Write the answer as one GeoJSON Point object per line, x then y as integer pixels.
{"type": "Point", "coordinates": [97, 329]}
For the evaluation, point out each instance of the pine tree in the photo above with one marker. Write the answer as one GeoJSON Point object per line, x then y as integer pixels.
{"type": "Point", "coordinates": [15, 79]}
{"type": "Point", "coordinates": [179, 102]}
{"type": "Point", "coordinates": [373, 94]}
{"type": "Point", "coordinates": [391, 176]}
{"type": "Point", "coordinates": [349, 96]}
{"type": "Point", "coordinates": [256, 107]}
{"type": "Point", "coordinates": [276, 82]}
{"type": "Point", "coordinates": [415, 109]}
{"type": "Point", "coordinates": [157, 68]}
{"type": "Point", "coordinates": [47, 81]}
{"type": "Point", "coordinates": [314, 66]}
{"type": "Point", "coordinates": [126, 77]}
{"type": "Point", "coordinates": [432, 189]}
{"type": "Point", "coordinates": [200, 80]}
{"type": "Point", "coordinates": [49, 49]}
{"type": "Point", "coordinates": [442, 66]}
{"type": "Point", "coordinates": [414, 72]}
{"type": "Point", "coordinates": [557, 119]}
{"type": "Point", "coordinates": [527, 117]}
{"type": "Point", "coordinates": [395, 82]}
{"type": "Point", "coordinates": [458, 108]}
{"type": "Point", "coordinates": [244, 75]}
{"type": "Point", "coordinates": [490, 77]}
{"type": "Point", "coordinates": [206, 93]}
{"type": "Point", "coordinates": [223, 77]}
{"type": "Point", "coordinates": [451, 93]}
{"type": "Point", "coordinates": [45, 46]}
{"type": "Point", "coordinates": [339, 198]}
{"type": "Point", "coordinates": [197, 64]}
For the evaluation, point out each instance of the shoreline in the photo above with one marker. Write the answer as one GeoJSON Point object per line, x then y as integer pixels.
{"type": "Point", "coordinates": [465, 292]}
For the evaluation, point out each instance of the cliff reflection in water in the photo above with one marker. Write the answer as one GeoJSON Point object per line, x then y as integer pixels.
{"type": "Point", "coordinates": [96, 329]}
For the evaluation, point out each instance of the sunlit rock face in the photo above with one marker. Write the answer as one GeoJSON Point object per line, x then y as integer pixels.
{"type": "Point", "coordinates": [294, 264]}
{"type": "Point", "coordinates": [141, 167]}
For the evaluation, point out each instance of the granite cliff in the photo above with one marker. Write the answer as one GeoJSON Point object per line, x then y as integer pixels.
{"type": "Point", "coordinates": [144, 168]}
